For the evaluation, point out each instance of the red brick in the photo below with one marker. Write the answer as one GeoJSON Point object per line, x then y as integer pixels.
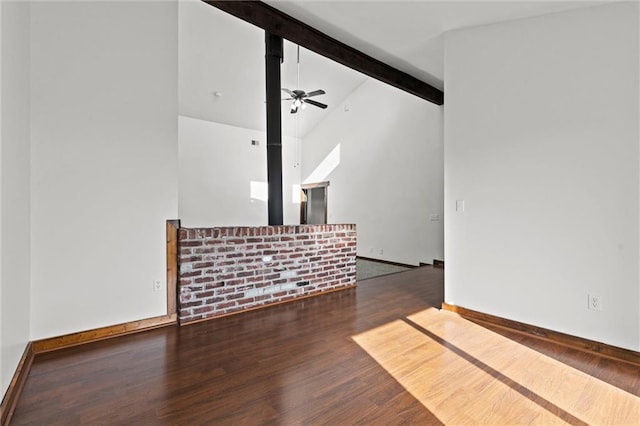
{"type": "Point", "coordinates": [190, 243]}
{"type": "Point", "coordinates": [213, 285]}
{"type": "Point", "coordinates": [204, 250]}
{"type": "Point", "coordinates": [324, 255]}
{"type": "Point", "coordinates": [204, 294]}
{"type": "Point", "coordinates": [235, 241]}
{"type": "Point", "coordinates": [235, 296]}
{"type": "Point", "coordinates": [203, 310]}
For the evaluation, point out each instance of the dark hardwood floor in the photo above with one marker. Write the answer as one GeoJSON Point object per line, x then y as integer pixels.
{"type": "Point", "coordinates": [290, 364]}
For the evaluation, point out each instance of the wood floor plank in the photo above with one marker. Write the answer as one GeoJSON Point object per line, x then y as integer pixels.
{"type": "Point", "coordinates": [378, 354]}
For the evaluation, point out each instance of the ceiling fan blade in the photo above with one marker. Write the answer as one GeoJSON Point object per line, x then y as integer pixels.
{"type": "Point", "coordinates": [287, 91]}
{"type": "Point", "coordinates": [287, 99]}
{"type": "Point", "coordinates": [314, 103]}
{"type": "Point", "coordinates": [315, 93]}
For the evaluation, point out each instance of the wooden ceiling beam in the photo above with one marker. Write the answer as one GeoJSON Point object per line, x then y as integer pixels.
{"type": "Point", "coordinates": [278, 23]}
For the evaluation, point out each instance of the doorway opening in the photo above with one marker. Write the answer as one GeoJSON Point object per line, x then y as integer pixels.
{"type": "Point", "coordinates": [313, 203]}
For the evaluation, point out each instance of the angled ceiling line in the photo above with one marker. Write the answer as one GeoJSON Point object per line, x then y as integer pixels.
{"type": "Point", "coordinates": [278, 23]}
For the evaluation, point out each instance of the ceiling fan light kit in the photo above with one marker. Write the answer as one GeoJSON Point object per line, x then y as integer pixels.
{"type": "Point", "coordinates": [300, 97]}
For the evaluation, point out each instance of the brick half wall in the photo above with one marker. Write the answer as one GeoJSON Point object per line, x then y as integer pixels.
{"type": "Point", "coordinates": [230, 269]}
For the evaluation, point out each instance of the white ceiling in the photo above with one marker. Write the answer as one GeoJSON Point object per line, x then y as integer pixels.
{"type": "Point", "coordinates": [220, 53]}
{"type": "Point", "coordinates": [409, 34]}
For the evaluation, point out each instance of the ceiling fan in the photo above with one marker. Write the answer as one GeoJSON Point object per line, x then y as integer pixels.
{"type": "Point", "coordinates": [299, 97]}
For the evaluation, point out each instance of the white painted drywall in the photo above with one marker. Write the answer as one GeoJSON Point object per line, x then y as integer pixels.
{"type": "Point", "coordinates": [541, 143]}
{"type": "Point", "coordinates": [14, 190]}
{"type": "Point", "coordinates": [3, 373]}
{"type": "Point", "coordinates": [223, 177]}
{"type": "Point", "coordinates": [389, 177]}
{"type": "Point", "coordinates": [104, 161]}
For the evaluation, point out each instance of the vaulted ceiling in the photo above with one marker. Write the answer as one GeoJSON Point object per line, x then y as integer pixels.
{"type": "Point", "coordinates": [221, 58]}
{"type": "Point", "coordinates": [409, 34]}
{"type": "Point", "coordinates": [220, 54]}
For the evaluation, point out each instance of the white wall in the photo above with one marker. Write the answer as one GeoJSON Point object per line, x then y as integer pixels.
{"type": "Point", "coordinates": [223, 178]}
{"type": "Point", "coordinates": [104, 161]}
{"type": "Point", "coordinates": [541, 128]}
{"type": "Point", "coordinates": [389, 179]}
{"type": "Point", "coordinates": [14, 189]}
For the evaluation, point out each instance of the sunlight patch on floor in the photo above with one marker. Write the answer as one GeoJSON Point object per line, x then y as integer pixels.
{"type": "Point", "coordinates": [465, 374]}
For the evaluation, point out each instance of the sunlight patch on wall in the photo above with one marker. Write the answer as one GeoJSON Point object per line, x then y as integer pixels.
{"type": "Point", "coordinates": [295, 194]}
{"type": "Point", "coordinates": [259, 191]}
{"type": "Point", "coordinates": [324, 169]}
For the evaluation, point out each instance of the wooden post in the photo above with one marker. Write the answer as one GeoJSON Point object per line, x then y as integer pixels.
{"type": "Point", "coordinates": [173, 227]}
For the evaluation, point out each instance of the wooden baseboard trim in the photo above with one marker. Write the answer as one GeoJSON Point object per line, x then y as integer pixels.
{"type": "Point", "coordinates": [74, 339]}
{"type": "Point", "coordinates": [269, 305]}
{"type": "Point", "coordinates": [388, 262]}
{"type": "Point", "coordinates": [10, 400]}
{"type": "Point", "coordinates": [586, 345]}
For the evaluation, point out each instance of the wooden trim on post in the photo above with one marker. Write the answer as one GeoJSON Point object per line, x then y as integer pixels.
{"type": "Point", "coordinates": [586, 345]}
{"type": "Point", "coordinates": [10, 400]}
{"type": "Point", "coordinates": [172, 265]}
{"type": "Point", "coordinates": [280, 24]}
{"type": "Point", "coordinates": [82, 337]}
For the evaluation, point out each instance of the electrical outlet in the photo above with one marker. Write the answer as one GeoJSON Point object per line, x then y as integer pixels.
{"type": "Point", "coordinates": [157, 285]}
{"type": "Point", "coordinates": [595, 302]}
